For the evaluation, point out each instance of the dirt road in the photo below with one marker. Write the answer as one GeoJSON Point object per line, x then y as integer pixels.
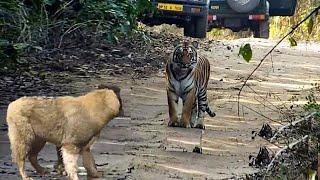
{"type": "Point", "coordinates": [141, 146]}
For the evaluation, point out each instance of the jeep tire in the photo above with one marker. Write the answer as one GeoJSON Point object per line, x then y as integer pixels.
{"type": "Point", "coordinates": [261, 30]}
{"type": "Point", "coordinates": [189, 28]}
{"type": "Point", "coordinates": [201, 25]}
{"type": "Point", "coordinates": [197, 27]}
{"type": "Point", "coordinates": [237, 6]}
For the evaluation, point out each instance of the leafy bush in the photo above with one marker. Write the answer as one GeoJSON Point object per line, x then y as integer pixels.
{"type": "Point", "coordinates": [45, 23]}
{"type": "Point", "coordinates": [312, 97]}
{"type": "Point", "coordinates": [113, 18]}
{"type": "Point", "coordinates": [279, 26]}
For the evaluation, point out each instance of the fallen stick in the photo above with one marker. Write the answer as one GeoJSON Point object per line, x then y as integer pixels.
{"type": "Point", "coordinates": [292, 124]}
{"type": "Point", "coordinates": [281, 150]}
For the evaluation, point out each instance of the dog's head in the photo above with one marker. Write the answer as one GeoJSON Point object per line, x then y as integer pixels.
{"type": "Point", "coordinates": [116, 90]}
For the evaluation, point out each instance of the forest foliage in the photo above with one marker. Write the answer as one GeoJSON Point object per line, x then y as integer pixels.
{"type": "Point", "coordinates": [281, 25]}
{"type": "Point", "coordinates": [32, 25]}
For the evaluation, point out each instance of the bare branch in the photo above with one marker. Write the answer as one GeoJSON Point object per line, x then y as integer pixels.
{"type": "Point", "coordinates": [261, 114]}
{"type": "Point", "coordinates": [69, 30]}
{"type": "Point", "coordinates": [283, 149]}
{"type": "Point", "coordinates": [65, 5]}
{"type": "Point", "coordinates": [266, 100]}
{"type": "Point", "coordinates": [271, 50]}
{"type": "Point", "coordinates": [292, 124]}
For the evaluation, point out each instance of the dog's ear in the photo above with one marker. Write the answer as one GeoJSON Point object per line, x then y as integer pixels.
{"type": "Point", "coordinates": [116, 90]}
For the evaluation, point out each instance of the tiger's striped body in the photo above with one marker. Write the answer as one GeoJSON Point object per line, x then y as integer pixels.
{"type": "Point", "coordinates": [187, 77]}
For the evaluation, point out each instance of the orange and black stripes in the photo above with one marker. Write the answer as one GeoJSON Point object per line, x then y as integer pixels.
{"type": "Point", "coordinates": [188, 72]}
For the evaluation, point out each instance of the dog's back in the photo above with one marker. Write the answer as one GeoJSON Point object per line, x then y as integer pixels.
{"type": "Point", "coordinates": [40, 116]}
{"type": "Point", "coordinates": [54, 118]}
{"type": "Point", "coordinates": [69, 122]}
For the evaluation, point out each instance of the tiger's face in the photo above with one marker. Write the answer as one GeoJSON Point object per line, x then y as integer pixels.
{"type": "Point", "coordinates": [185, 54]}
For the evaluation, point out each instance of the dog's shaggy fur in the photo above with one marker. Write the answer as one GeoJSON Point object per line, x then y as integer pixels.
{"type": "Point", "coordinates": [72, 123]}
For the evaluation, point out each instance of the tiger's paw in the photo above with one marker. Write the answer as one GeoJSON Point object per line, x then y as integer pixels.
{"type": "Point", "coordinates": [173, 124]}
{"type": "Point", "coordinates": [185, 125]}
{"type": "Point", "coordinates": [212, 114]}
{"type": "Point", "coordinates": [200, 126]}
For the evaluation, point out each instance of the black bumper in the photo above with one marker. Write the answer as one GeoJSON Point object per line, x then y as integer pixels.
{"type": "Point", "coordinates": [189, 11]}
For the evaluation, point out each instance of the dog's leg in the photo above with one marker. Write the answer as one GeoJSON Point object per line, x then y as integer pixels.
{"type": "Point", "coordinates": [20, 163]}
{"type": "Point", "coordinates": [36, 147]}
{"type": "Point", "coordinates": [70, 155]}
{"type": "Point", "coordinates": [88, 160]}
{"type": "Point", "coordinates": [59, 165]}
{"type": "Point", "coordinates": [89, 164]}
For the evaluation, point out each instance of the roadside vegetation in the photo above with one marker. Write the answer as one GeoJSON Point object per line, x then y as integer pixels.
{"type": "Point", "coordinates": [297, 138]}
{"type": "Point", "coordinates": [281, 25]}
{"type": "Point", "coordinates": [36, 25]}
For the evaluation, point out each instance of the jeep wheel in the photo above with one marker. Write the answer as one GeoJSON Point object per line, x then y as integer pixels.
{"type": "Point", "coordinates": [197, 27]}
{"type": "Point", "coordinates": [243, 6]}
{"type": "Point", "coordinates": [201, 25]}
{"type": "Point", "coordinates": [189, 29]}
{"type": "Point", "coordinates": [262, 30]}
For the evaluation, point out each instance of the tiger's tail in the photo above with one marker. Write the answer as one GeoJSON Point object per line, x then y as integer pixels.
{"type": "Point", "coordinates": [210, 111]}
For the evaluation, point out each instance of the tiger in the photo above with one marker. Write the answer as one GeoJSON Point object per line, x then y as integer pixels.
{"type": "Point", "coordinates": [187, 75]}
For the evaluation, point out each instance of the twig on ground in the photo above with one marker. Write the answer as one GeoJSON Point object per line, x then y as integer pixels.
{"type": "Point", "coordinates": [271, 50]}
{"type": "Point", "coordinates": [201, 137]}
{"type": "Point", "coordinates": [279, 99]}
{"type": "Point", "coordinates": [281, 150]}
{"type": "Point", "coordinates": [266, 100]}
{"type": "Point", "coordinates": [292, 124]}
{"type": "Point", "coordinates": [271, 62]}
{"type": "Point", "coordinates": [261, 114]}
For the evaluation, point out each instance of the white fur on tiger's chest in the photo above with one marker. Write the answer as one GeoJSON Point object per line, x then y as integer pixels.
{"type": "Point", "coordinates": [183, 85]}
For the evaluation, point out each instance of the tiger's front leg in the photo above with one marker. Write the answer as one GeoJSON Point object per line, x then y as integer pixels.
{"type": "Point", "coordinates": [201, 113]}
{"type": "Point", "coordinates": [200, 123]}
{"type": "Point", "coordinates": [173, 100]}
{"type": "Point", "coordinates": [194, 114]}
{"type": "Point", "coordinates": [187, 108]}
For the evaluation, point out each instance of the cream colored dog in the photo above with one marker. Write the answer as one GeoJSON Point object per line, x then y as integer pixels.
{"type": "Point", "coordinates": [72, 123]}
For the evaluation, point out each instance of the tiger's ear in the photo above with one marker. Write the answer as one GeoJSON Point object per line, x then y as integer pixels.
{"type": "Point", "coordinates": [176, 43]}
{"type": "Point", "coordinates": [195, 44]}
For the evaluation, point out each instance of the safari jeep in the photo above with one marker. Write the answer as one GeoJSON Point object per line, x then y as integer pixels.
{"type": "Point", "coordinates": [199, 16]}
